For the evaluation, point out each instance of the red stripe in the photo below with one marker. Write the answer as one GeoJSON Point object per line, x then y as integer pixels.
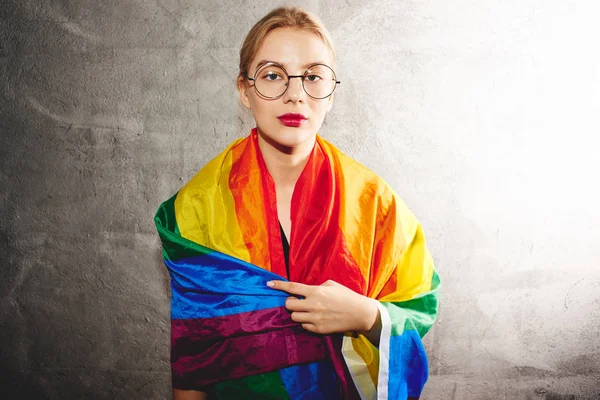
{"type": "Point", "coordinates": [318, 248]}
{"type": "Point", "coordinates": [272, 217]}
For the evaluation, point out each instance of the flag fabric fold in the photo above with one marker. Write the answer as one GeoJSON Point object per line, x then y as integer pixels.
{"type": "Point", "coordinates": [231, 334]}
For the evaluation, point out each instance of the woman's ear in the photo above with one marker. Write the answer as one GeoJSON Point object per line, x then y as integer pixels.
{"type": "Point", "coordinates": [242, 86]}
{"type": "Point", "coordinates": [330, 103]}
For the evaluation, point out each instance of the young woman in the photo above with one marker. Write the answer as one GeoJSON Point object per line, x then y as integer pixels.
{"type": "Point", "coordinates": [296, 272]}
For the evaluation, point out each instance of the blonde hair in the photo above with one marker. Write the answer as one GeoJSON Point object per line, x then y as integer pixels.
{"type": "Point", "coordinates": [282, 17]}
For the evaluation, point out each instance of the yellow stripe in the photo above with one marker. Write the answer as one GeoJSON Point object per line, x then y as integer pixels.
{"type": "Point", "coordinates": [358, 370]}
{"type": "Point", "coordinates": [369, 354]}
{"type": "Point", "coordinates": [415, 269]}
{"type": "Point", "coordinates": [205, 209]}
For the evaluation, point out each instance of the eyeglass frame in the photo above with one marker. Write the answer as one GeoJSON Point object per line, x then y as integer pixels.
{"type": "Point", "coordinates": [303, 76]}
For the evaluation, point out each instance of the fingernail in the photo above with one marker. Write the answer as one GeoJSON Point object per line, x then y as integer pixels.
{"type": "Point", "coordinates": [270, 284]}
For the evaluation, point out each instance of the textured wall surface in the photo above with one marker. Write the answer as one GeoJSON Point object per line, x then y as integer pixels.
{"type": "Point", "coordinates": [483, 115]}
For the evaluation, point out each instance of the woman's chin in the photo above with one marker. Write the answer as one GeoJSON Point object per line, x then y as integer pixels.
{"type": "Point", "coordinates": [289, 138]}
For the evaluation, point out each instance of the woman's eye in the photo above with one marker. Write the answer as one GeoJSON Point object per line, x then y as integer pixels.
{"type": "Point", "coordinates": [271, 76]}
{"type": "Point", "coordinates": [312, 78]}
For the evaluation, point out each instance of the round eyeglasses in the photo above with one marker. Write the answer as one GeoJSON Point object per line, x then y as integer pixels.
{"type": "Point", "coordinates": [271, 81]}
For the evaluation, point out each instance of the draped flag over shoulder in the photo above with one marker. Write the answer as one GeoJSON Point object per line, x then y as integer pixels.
{"type": "Point", "coordinates": [231, 334]}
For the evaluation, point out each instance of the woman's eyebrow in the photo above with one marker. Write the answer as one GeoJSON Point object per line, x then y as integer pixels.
{"type": "Point", "coordinates": [263, 62]}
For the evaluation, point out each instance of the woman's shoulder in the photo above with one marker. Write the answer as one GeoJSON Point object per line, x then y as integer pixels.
{"type": "Point", "coordinates": [363, 185]}
{"type": "Point", "coordinates": [210, 176]}
{"type": "Point", "coordinates": [355, 172]}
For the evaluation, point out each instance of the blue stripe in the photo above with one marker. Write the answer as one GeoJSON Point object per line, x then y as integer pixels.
{"type": "Point", "coordinates": [314, 381]}
{"type": "Point", "coordinates": [408, 365]}
{"type": "Point", "coordinates": [198, 305]}
{"type": "Point", "coordinates": [215, 285]}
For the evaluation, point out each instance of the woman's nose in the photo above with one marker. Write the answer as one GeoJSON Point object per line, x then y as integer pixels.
{"type": "Point", "coordinates": [294, 91]}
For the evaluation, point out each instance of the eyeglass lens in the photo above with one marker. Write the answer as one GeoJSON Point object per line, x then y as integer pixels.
{"type": "Point", "coordinates": [272, 81]}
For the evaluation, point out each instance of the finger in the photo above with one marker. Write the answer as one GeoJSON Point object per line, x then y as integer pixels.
{"type": "Point", "coordinates": [294, 304]}
{"type": "Point", "coordinates": [314, 328]}
{"type": "Point", "coordinates": [290, 287]}
{"type": "Point", "coordinates": [309, 327]}
{"type": "Point", "coordinates": [301, 317]}
{"type": "Point", "coordinates": [330, 283]}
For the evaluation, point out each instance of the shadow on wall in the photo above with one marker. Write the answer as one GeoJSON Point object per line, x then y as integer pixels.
{"type": "Point", "coordinates": [556, 396]}
{"type": "Point", "coordinates": [14, 385]}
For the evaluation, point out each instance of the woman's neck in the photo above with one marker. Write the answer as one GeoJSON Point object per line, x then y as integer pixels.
{"type": "Point", "coordinates": [285, 164]}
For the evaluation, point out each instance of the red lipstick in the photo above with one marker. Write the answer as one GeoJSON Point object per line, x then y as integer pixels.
{"type": "Point", "coordinates": [294, 120]}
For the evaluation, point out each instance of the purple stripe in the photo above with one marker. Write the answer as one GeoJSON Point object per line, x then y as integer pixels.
{"type": "Point", "coordinates": [333, 344]}
{"type": "Point", "coordinates": [245, 323]}
{"type": "Point", "coordinates": [206, 351]}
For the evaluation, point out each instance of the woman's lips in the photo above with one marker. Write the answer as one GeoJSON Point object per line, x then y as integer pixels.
{"type": "Point", "coordinates": [294, 120]}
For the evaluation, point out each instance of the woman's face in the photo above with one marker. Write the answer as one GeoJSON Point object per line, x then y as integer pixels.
{"type": "Point", "coordinates": [295, 50]}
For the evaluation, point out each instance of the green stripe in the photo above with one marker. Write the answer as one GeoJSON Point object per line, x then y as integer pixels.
{"type": "Point", "coordinates": [415, 314]}
{"type": "Point", "coordinates": [435, 280]}
{"type": "Point", "coordinates": [267, 386]}
{"type": "Point", "coordinates": [175, 246]}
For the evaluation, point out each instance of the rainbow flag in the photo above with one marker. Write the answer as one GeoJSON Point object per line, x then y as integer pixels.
{"type": "Point", "coordinates": [231, 334]}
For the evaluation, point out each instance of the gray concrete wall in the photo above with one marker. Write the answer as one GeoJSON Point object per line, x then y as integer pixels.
{"type": "Point", "coordinates": [483, 115]}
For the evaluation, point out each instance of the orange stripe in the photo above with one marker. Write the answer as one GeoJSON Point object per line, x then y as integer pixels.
{"type": "Point", "coordinates": [357, 210]}
{"type": "Point", "coordinates": [253, 191]}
